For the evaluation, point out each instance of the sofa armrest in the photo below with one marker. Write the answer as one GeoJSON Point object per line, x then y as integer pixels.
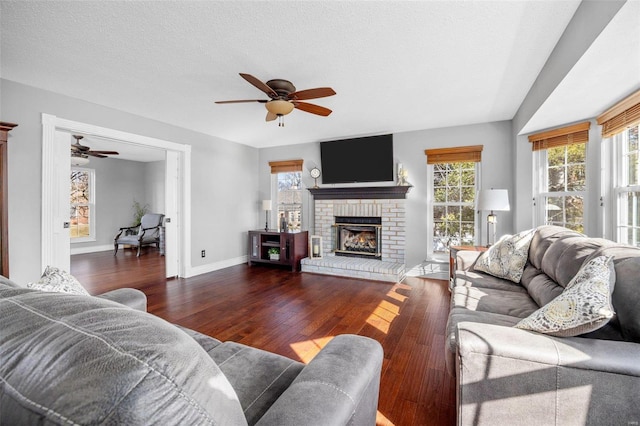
{"type": "Point", "coordinates": [130, 297]}
{"type": "Point", "coordinates": [511, 376]}
{"type": "Point", "coordinates": [339, 386]}
{"type": "Point", "coordinates": [465, 259]}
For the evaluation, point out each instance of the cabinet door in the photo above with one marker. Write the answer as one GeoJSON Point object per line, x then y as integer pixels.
{"type": "Point", "coordinates": [286, 247]}
{"type": "Point", "coordinates": [254, 245]}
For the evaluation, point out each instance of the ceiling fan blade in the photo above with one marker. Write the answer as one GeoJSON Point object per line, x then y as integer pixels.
{"type": "Point", "coordinates": [270, 116]}
{"type": "Point", "coordinates": [312, 108]}
{"type": "Point", "coordinates": [79, 148]}
{"type": "Point", "coordinates": [93, 154]}
{"type": "Point", "coordinates": [103, 152]}
{"type": "Point", "coordinates": [240, 101]}
{"type": "Point", "coordinates": [260, 85]}
{"type": "Point", "coordinates": [319, 92]}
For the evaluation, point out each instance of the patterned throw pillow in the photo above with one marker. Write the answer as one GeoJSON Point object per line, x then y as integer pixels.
{"type": "Point", "coordinates": [583, 306]}
{"type": "Point", "coordinates": [57, 280]}
{"type": "Point", "coordinates": [506, 258]}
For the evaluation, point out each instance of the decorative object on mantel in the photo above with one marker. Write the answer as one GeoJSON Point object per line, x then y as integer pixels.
{"type": "Point", "coordinates": [315, 174]}
{"type": "Point", "coordinates": [360, 192]}
{"type": "Point", "coordinates": [284, 98]}
{"type": "Point", "coordinates": [492, 200]}
{"type": "Point", "coordinates": [402, 175]}
{"type": "Point", "coordinates": [315, 247]}
{"type": "Point", "coordinates": [266, 206]}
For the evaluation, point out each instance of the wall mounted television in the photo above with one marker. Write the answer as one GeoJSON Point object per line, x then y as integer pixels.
{"type": "Point", "coordinates": [355, 160]}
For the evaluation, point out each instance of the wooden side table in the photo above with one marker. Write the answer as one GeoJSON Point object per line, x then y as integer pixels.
{"type": "Point", "coordinates": [453, 251]}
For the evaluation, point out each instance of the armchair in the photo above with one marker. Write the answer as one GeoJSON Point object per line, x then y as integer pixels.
{"type": "Point", "coordinates": [148, 232]}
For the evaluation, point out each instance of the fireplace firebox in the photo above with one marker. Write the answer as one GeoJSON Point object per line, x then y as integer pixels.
{"type": "Point", "coordinates": [358, 236]}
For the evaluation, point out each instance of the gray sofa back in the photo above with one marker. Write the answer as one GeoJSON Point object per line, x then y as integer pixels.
{"type": "Point", "coordinates": [555, 256]}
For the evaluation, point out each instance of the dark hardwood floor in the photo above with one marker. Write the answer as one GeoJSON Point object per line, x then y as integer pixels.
{"type": "Point", "coordinates": [296, 314]}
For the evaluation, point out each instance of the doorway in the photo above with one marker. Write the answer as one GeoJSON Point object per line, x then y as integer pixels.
{"type": "Point", "coordinates": [55, 194]}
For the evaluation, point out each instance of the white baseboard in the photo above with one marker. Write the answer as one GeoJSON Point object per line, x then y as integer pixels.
{"type": "Point", "coordinates": [92, 249]}
{"type": "Point", "coordinates": [210, 267]}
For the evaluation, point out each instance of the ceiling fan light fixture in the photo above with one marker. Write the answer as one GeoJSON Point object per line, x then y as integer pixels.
{"type": "Point", "coordinates": [279, 107]}
{"type": "Point", "coordinates": [78, 160]}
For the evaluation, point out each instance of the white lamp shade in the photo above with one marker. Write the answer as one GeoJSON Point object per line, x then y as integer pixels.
{"type": "Point", "coordinates": [79, 161]}
{"type": "Point", "coordinates": [493, 199]}
{"type": "Point", "coordinates": [266, 204]}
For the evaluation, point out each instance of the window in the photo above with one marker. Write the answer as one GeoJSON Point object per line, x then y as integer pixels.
{"type": "Point", "coordinates": [627, 186]}
{"type": "Point", "coordinates": [82, 218]}
{"type": "Point", "coordinates": [453, 175]}
{"type": "Point", "coordinates": [620, 128]}
{"type": "Point", "coordinates": [287, 177]}
{"type": "Point", "coordinates": [289, 199]}
{"type": "Point", "coordinates": [454, 189]}
{"type": "Point", "coordinates": [560, 183]}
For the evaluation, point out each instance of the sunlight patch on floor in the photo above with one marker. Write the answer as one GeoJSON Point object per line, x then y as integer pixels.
{"type": "Point", "coordinates": [387, 311]}
{"type": "Point", "coordinates": [308, 349]}
{"type": "Point", "coordinates": [381, 420]}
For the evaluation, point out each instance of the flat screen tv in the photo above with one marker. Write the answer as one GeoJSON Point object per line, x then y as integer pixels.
{"type": "Point", "coordinates": [366, 159]}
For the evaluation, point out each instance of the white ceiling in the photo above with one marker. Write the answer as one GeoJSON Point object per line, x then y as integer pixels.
{"type": "Point", "coordinates": [396, 66]}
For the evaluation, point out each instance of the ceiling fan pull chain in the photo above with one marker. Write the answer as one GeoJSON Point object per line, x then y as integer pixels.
{"type": "Point", "coordinates": [280, 120]}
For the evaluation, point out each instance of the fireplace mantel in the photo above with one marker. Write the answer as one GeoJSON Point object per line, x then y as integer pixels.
{"type": "Point", "coordinates": [360, 192]}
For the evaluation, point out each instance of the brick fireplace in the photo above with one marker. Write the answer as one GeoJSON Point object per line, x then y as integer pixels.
{"type": "Point", "coordinates": [375, 231]}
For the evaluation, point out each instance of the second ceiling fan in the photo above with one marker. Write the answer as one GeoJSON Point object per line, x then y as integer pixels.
{"type": "Point", "coordinates": [284, 98]}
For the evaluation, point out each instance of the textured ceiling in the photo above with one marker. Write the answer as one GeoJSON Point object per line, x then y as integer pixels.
{"type": "Point", "coordinates": [396, 66]}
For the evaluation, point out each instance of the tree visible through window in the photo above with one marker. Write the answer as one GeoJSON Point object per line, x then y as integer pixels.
{"type": "Point", "coordinates": [628, 186]}
{"type": "Point", "coordinates": [289, 207]}
{"type": "Point", "coordinates": [565, 186]}
{"type": "Point", "coordinates": [454, 188]}
{"type": "Point", "coordinates": [81, 203]}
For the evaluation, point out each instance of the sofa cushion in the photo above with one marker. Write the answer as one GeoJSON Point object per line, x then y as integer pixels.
{"type": "Point", "coordinates": [84, 360]}
{"type": "Point", "coordinates": [55, 279]}
{"type": "Point", "coordinates": [258, 377]}
{"type": "Point", "coordinates": [584, 305]}
{"type": "Point", "coordinates": [516, 304]}
{"type": "Point", "coordinates": [545, 236]}
{"type": "Point", "coordinates": [507, 258]}
{"type": "Point", "coordinates": [480, 279]}
{"type": "Point", "coordinates": [565, 257]}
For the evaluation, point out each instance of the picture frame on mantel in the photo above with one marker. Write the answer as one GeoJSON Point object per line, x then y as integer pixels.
{"type": "Point", "coordinates": [315, 247]}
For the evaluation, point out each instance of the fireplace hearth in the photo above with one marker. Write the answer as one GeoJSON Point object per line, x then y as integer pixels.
{"type": "Point", "coordinates": [358, 236]}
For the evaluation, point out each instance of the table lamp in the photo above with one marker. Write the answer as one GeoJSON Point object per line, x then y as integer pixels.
{"type": "Point", "coordinates": [266, 206]}
{"type": "Point", "coordinates": [492, 200]}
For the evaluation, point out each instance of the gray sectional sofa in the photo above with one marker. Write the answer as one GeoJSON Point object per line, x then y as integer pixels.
{"type": "Point", "coordinates": [75, 359]}
{"type": "Point", "coordinates": [506, 375]}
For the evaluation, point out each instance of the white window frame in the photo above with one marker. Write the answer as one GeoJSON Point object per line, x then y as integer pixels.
{"type": "Point", "coordinates": [92, 206]}
{"type": "Point", "coordinates": [431, 204]}
{"type": "Point", "coordinates": [621, 187]}
{"type": "Point", "coordinates": [540, 192]}
{"type": "Point", "coordinates": [274, 218]}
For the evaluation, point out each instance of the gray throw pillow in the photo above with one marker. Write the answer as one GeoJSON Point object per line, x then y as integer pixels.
{"type": "Point", "coordinates": [583, 306]}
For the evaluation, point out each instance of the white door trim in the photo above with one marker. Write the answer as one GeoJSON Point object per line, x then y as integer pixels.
{"type": "Point", "coordinates": [51, 123]}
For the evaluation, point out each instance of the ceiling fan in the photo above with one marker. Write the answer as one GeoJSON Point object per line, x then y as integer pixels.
{"type": "Point", "coordinates": [284, 98]}
{"type": "Point", "coordinates": [80, 153]}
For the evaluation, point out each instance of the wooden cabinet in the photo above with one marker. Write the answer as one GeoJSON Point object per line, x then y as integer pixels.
{"type": "Point", "coordinates": [292, 247]}
{"type": "Point", "coordinates": [5, 128]}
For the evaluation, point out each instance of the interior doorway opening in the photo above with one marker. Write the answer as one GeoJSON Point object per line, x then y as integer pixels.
{"type": "Point", "coordinates": [55, 187]}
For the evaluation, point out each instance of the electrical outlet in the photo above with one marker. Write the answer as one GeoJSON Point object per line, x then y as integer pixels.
{"type": "Point", "coordinates": [202, 253]}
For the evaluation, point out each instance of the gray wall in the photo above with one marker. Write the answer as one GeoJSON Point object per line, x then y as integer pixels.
{"type": "Point", "coordinates": [496, 172]}
{"type": "Point", "coordinates": [587, 23]}
{"type": "Point", "coordinates": [224, 177]}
